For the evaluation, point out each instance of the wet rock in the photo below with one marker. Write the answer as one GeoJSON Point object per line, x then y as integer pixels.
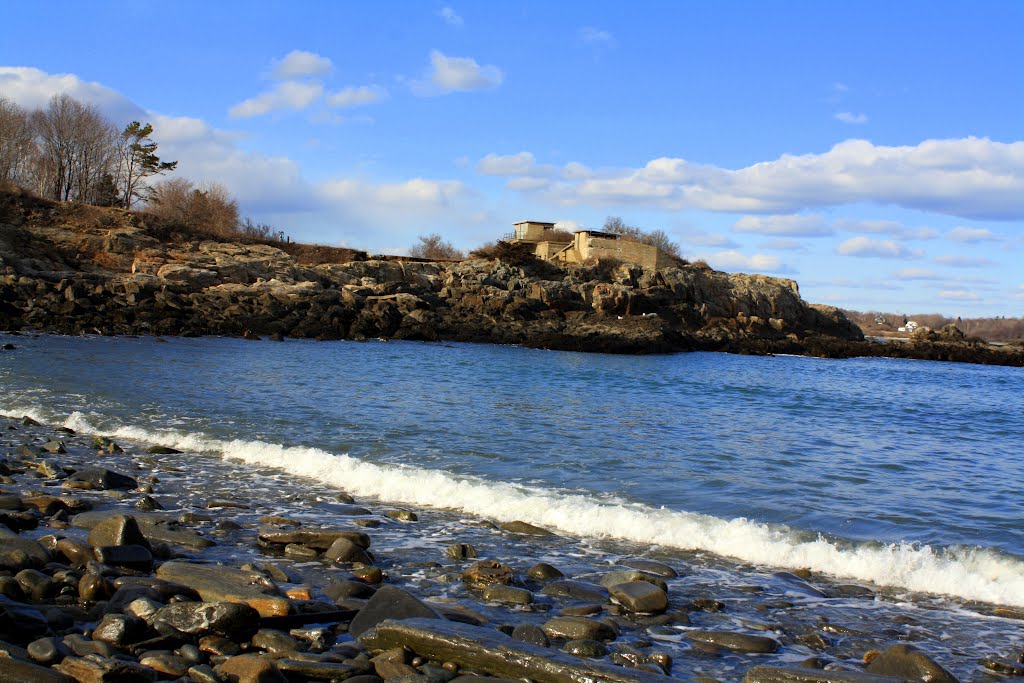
{"type": "Point", "coordinates": [10, 588]}
{"type": "Point", "coordinates": [461, 551]}
{"type": "Point", "coordinates": [906, 661]}
{"type": "Point", "coordinates": [508, 595]}
{"type": "Point", "coordinates": [542, 571]}
{"type": "Point", "coordinates": [344, 550]}
{"type": "Point", "coordinates": [652, 567]}
{"type": "Point", "coordinates": [294, 551]}
{"type": "Point", "coordinates": [639, 596]}
{"type": "Point", "coordinates": [219, 646]}
{"type": "Point", "coordinates": [320, 539]}
{"type": "Point", "coordinates": [119, 630]}
{"type": "Point", "coordinates": [1003, 667]}
{"type": "Point", "coordinates": [77, 554]}
{"type": "Point", "coordinates": [227, 584]}
{"type": "Point", "coordinates": [389, 603]}
{"type": "Point", "coordinates": [578, 628]}
{"type": "Point", "coordinates": [162, 450]}
{"type": "Point", "coordinates": [340, 590]}
{"type": "Point", "coordinates": [611, 578]}
{"type": "Point", "coordinates": [55, 447]}
{"type": "Point", "coordinates": [250, 669]}
{"type": "Point", "coordinates": [51, 505]}
{"type": "Point", "coordinates": [586, 648]}
{"type": "Point", "coordinates": [771, 674]}
{"type": "Point", "coordinates": [737, 642]}
{"type": "Point", "coordinates": [294, 669]}
{"type": "Point", "coordinates": [530, 633]}
{"type": "Point", "coordinates": [519, 527]}
{"type": "Point", "coordinates": [166, 663]}
{"type": "Point", "coordinates": [148, 504]}
{"type": "Point", "coordinates": [18, 521]}
{"type": "Point", "coordinates": [402, 515]}
{"type": "Point", "coordinates": [47, 651]}
{"type": "Point", "coordinates": [371, 575]}
{"type": "Point", "coordinates": [36, 585]}
{"type": "Point", "coordinates": [227, 619]}
{"type": "Point", "coordinates": [578, 590]}
{"type": "Point", "coordinates": [274, 641]}
{"type": "Point", "coordinates": [27, 672]}
{"type": "Point", "coordinates": [117, 530]}
{"type": "Point", "coordinates": [102, 669]}
{"type": "Point", "coordinates": [212, 504]}
{"type": "Point", "coordinates": [129, 556]}
{"type": "Point", "coordinates": [103, 479]}
{"type": "Point", "coordinates": [84, 647]}
{"type": "Point", "coordinates": [13, 503]}
{"type": "Point", "coordinates": [491, 652]}
{"type": "Point", "coordinates": [488, 572]}
{"type": "Point", "coordinates": [20, 622]}
{"type": "Point", "coordinates": [17, 553]}
{"type": "Point", "coordinates": [203, 673]}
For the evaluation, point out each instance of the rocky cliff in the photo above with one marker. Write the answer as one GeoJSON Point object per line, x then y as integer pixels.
{"type": "Point", "coordinates": [80, 269]}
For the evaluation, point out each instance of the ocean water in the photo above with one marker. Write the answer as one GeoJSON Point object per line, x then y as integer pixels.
{"type": "Point", "coordinates": [904, 475]}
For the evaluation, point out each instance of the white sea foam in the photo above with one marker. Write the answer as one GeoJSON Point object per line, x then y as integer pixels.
{"type": "Point", "coordinates": [974, 574]}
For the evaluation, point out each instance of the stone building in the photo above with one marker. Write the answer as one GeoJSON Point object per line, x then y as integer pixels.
{"type": "Point", "coordinates": [581, 246]}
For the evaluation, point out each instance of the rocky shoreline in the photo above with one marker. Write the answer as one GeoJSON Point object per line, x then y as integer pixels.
{"type": "Point", "coordinates": [75, 269]}
{"type": "Point", "coordinates": [118, 563]}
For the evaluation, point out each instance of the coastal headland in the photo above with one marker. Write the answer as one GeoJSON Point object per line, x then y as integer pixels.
{"type": "Point", "coordinates": [79, 269]}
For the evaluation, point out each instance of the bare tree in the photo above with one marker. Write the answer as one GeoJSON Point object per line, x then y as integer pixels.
{"type": "Point", "coordinates": [75, 148]}
{"type": "Point", "coordinates": [433, 246]}
{"type": "Point", "coordinates": [17, 143]}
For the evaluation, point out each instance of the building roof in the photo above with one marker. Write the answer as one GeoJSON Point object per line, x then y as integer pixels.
{"type": "Point", "coordinates": [535, 223]}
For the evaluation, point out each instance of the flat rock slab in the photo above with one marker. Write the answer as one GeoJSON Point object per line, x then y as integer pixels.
{"type": "Point", "coordinates": [639, 596]}
{"type": "Point", "coordinates": [215, 583]}
{"type": "Point", "coordinates": [320, 539]}
{"type": "Point", "coordinates": [156, 528]}
{"type": "Point", "coordinates": [492, 652]}
{"type": "Point", "coordinates": [16, 671]}
{"type": "Point", "coordinates": [737, 642]}
{"type": "Point", "coordinates": [772, 674]}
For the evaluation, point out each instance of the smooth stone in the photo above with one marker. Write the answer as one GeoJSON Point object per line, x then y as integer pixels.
{"type": "Point", "coordinates": [119, 630]}
{"type": "Point", "coordinates": [211, 504]}
{"type": "Point", "coordinates": [487, 572]}
{"type": "Point", "coordinates": [130, 556]}
{"type": "Point", "coordinates": [55, 447]}
{"type": "Point", "coordinates": [167, 663]}
{"type": "Point", "coordinates": [639, 596]}
{"type": "Point", "coordinates": [611, 578]}
{"type": "Point", "coordinates": [389, 603]}
{"type": "Point", "coordinates": [344, 550]}
{"type": "Point", "coordinates": [103, 479]}
{"type": "Point", "coordinates": [103, 669]}
{"type": "Point", "coordinates": [83, 647]}
{"type": "Point", "coordinates": [226, 584]}
{"type": "Point", "coordinates": [20, 622]}
{"type": "Point", "coordinates": [321, 539]}
{"type": "Point", "coordinates": [402, 515]}
{"type": "Point", "coordinates": [227, 619]}
{"type": "Point", "coordinates": [203, 673]}
{"type": "Point", "coordinates": [46, 651]}
{"type": "Point", "coordinates": [157, 528]}
{"type": "Point", "coordinates": [737, 642]}
{"type": "Point", "coordinates": [10, 502]}
{"type": "Point", "coordinates": [461, 551]}
{"type": "Point", "coordinates": [509, 595]}
{"type": "Point", "coordinates": [117, 530]}
{"type": "Point", "coordinates": [148, 504]}
{"type": "Point", "coordinates": [530, 633]}
{"type": "Point", "coordinates": [339, 590]}
{"type": "Point", "coordinates": [491, 652]}
{"type": "Point", "coordinates": [251, 669]}
{"type": "Point", "coordinates": [652, 567]}
{"type": "Point", "coordinates": [10, 587]}
{"type": "Point", "coordinates": [772, 674]}
{"type": "Point", "coordinates": [274, 641]}
{"type": "Point", "coordinates": [542, 571]}
{"type": "Point", "coordinates": [586, 648]}
{"type": "Point", "coordinates": [78, 554]}
{"type": "Point", "coordinates": [301, 553]}
{"type": "Point", "coordinates": [520, 527]}
{"type": "Point", "coordinates": [906, 661]}
{"type": "Point", "coordinates": [17, 671]}
{"type": "Point", "coordinates": [37, 585]}
{"type": "Point", "coordinates": [219, 646]}
{"type": "Point", "coordinates": [578, 628]}
{"type": "Point", "coordinates": [578, 590]}
{"type": "Point", "coordinates": [17, 553]}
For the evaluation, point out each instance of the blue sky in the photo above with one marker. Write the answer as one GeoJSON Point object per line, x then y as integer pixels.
{"type": "Point", "coordinates": [874, 152]}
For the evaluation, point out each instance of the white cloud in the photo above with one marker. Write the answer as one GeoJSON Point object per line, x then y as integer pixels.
{"type": "Point", "coordinates": [461, 74]}
{"type": "Point", "coordinates": [576, 171]}
{"type": "Point", "coordinates": [959, 295]}
{"type": "Point", "coordinates": [356, 96]}
{"type": "Point", "coordinates": [964, 261]}
{"type": "Point", "coordinates": [526, 184]}
{"type": "Point", "coordinates": [969, 177]}
{"type": "Point", "coordinates": [891, 229]}
{"type": "Point", "coordinates": [301, 64]}
{"type": "Point", "coordinates": [596, 36]}
{"type": "Point", "coordinates": [286, 95]}
{"type": "Point", "coordinates": [783, 245]}
{"type": "Point", "coordinates": [417, 192]}
{"type": "Point", "coordinates": [917, 274]}
{"type": "Point", "coordinates": [450, 16]}
{"type": "Point", "coordinates": [736, 261]}
{"type": "Point", "coordinates": [973, 235]}
{"type": "Point", "coordinates": [570, 226]}
{"type": "Point", "coordinates": [702, 238]}
{"type": "Point", "coordinates": [851, 118]}
{"type": "Point", "coordinates": [866, 247]}
{"type": "Point", "coordinates": [32, 88]}
{"type": "Point", "coordinates": [519, 164]}
{"type": "Point", "coordinates": [789, 225]}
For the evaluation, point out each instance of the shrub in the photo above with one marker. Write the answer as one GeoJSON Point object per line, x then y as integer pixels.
{"type": "Point", "coordinates": [435, 248]}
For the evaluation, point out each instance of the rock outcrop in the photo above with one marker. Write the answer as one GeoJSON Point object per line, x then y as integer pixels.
{"type": "Point", "coordinates": [78, 269]}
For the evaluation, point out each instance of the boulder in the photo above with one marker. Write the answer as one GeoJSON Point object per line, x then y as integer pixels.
{"type": "Point", "coordinates": [488, 572]}
{"type": "Point", "coordinates": [639, 596]}
{"type": "Point", "coordinates": [519, 527]}
{"type": "Point", "coordinates": [906, 661]}
{"type": "Point", "coordinates": [215, 583]}
{"type": "Point", "coordinates": [117, 530]}
{"type": "Point", "coordinates": [344, 550]}
{"type": "Point", "coordinates": [226, 619]}
{"type": "Point", "coordinates": [103, 479]}
{"type": "Point", "coordinates": [320, 539]}
{"type": "Point", "coordinates": [389, 603]}
{"type": "Point", "coordinates": [578, 628]}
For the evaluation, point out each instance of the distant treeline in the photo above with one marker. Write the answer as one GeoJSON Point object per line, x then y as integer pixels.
{"type": "Point", "coordinates": [998, 329]}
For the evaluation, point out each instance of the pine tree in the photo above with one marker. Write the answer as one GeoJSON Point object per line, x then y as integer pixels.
{"type": "Point", "coordinates": [138, 161]}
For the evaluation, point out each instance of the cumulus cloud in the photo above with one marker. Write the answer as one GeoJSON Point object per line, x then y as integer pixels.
{"type": "Point", "coordinates": [32, 88]}
{"type": "Point", "coordinates": [292, 95]}
{"type": "Point", "coordinates": [964, 261]}
{"type": "Point", "coordinates": [417, 192]}
{"type": "Point", "coordinates": [519, 164]}
{"type": "Point", "coordinates": [736, 261]}
{"type": "Point", "coordinates": [356, 96]}
{"type": "Point", "coordinates": [867, 247]}
{"type": "Point", "coordinates": [301, 64]}
{"type": "Point", "coordinates": [973, 235]}
{"type": "Point", "coordinates": [891, 229]}
{"type": "Point", "coordinates": [789, 225]}
{"type": "Point", "coordinates": [460, 74]}
{"type": "Point", "coordinates": [968, 177]}
{"type": "Point", "coordinates": [450, 16]}
{"type": "Point", "coordinates": [851, 118]}
{"type": "Point", "coordinates": [959, 295]}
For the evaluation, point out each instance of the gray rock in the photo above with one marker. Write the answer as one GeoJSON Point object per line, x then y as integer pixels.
{"type": "Point", "coordinates": [652, 567]}
{"type": "Point", "coordinates": [906, 661]}
{"type": "Point", "coordinates": [639, 596]}
{"type": "Point", "coordinates": [586, 648]}
{"type": "Point", "coordinates": [119, 630]}
{"type": "Point", "coordinates": [519, 527]}
{"type": "Point", "coordinates": [274, 641]}
{"type": "Point", "coordinates": [508, 595]}
{"type": "Point", "coordinates": [37, 585]}
{"type": "Point", "coordinates": [737, 642]}
{"type": "Point", "coordinates": [17, 553]}
{"type": "Point", "coordinates": [488, 572]}
{"type": "Point", "coordinates": [55, 447]}
{"type": "Point", "coordinates": [130, 556]}
{"type": "Point", "coordinates": [578, 628]}
{"type": "Point", "coordinates": [578, 590]}
{"type": "Point", "coordinates": [227, 619]}
{"type": "Point", "coordinates": [542, 571]}
{"type": "Point", "coordinates": [530, 633]}
{"type": "Point", "coordinates": [402, 515]}
{"type": "Point", "coordinates": [611, 578]}
{"type": "Point", "coordinates": [389, 603]}
{"type": "Point", "coordinates": [226, 584]}
{"type": "Point", "coordinates": [461, 551]}
{"type": "Point", "coordinates": [47, 651]}
{"type": "Point", "coordinates": [344, 550]}
{"type": "Point", "coordinates": [772, 674]}
{"type": "Point", "coordinates": [117, 530]}
{"type": "Point", "coordinates": [488, 651]}
{"type": "Point", "coordinates": [103, 478]}
{"type": "Point", "coordinates": [340, 590]}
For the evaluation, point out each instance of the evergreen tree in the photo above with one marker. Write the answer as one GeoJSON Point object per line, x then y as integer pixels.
{"type": "Point", "coordinates": [138, 161]}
